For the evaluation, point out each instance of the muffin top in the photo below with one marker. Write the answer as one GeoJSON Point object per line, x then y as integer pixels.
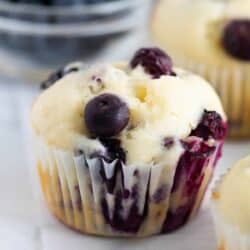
{"type": "Point", "coordinates": [140, 107]}
{"type": "Point", "coordinates": [232, 195]}
{"type": "Point", "coordinates": [215, 32]}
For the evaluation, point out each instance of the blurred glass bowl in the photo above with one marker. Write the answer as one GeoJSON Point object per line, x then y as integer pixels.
{"type": "Point", "coordinates": [35, 39]}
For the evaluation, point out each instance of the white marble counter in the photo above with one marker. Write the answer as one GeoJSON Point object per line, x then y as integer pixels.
{"type": "Point", "coordinates": [25, 223]}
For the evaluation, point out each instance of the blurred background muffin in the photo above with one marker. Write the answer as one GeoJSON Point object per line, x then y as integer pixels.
{"type": "Point", "coordinates": [211, 38]}
{"type": "Point", "coordinates": [231, 207]}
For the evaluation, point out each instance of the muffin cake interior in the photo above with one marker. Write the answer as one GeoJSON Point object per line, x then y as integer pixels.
{"type": "Point", "coordinates": [168, 107]}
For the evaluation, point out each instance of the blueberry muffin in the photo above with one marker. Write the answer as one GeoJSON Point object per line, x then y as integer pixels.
{"type": "Point", "coordinates": [211, 38]}
{"type": "Point", "coordinates": [127, 149]}
{"type": "Point", "coordinates": [231, 207]}
{"type": "Point", "coordinates": [58, 2]}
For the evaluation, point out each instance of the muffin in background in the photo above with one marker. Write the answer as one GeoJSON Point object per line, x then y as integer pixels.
{"type": "Point", "coordinates": [127, 149]}
{"type": "Point", "coordinates": [231, 207]}
{"type": "Point", "coordinates": [211, 38]}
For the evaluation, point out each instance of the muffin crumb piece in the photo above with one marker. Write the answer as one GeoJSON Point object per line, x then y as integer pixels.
{"type": "Point", "coordinates": [216, 195]}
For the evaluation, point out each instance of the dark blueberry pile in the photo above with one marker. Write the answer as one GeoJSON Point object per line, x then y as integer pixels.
{"type": "Point", "coordinates": [236, 39]}
{"type": "Point", "coordinates": [154, 61]}
{"type": "Point", "coordinates": [56, 50]}
{"type": "Point", "coordinates": [58, 2]}
{"type": "Point", "coordinates": [50, 50]}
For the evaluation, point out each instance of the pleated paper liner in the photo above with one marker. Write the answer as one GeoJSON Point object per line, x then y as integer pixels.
{"type": "Point", "coordinates": [233, 87]}
{"type": "Point", "coordinates": [112, 199]}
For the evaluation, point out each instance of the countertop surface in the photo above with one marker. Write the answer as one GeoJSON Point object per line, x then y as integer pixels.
{"type": "Point", "coordinates": [25, 223]}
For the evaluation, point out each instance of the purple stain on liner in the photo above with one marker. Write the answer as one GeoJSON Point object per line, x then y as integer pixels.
{"type": "Point", "coordinates": [160, 194]}
{"type": "Point", "coordinates": [78, 199]}
{"type": "Point", "coordinates": [136, 173]}
{"type": "Point", "coordinates": [179, 217]}
{"type": "Point", "coordinates": [126, 193]}
{"type": "Point", "coordinates": [132, 223]}
{"type": "Point", "coordinates": [111, 182]}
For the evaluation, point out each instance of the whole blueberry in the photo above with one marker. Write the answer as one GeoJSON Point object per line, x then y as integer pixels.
{"type": "Point", "coordinates": [236, 39]}
{"type": "Point", "coordinates": [54, 77]}
{"type": "Point", "coordinates": [154, 61]}
{"type": "Point", "coordinates": [211, 126]}
{"type": "Point", "coordinates": [106, 115]}
{"type": "Point", "coordinates": [168, 142]}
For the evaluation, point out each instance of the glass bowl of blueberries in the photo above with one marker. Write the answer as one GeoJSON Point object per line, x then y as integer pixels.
{"type": "Point", "coordinates": [37, 36]}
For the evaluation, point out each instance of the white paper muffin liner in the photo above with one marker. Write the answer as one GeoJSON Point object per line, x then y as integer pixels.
{"type": "Point", "coordinates": [229, 236]}
{"type": "Point", "coordinates": [74, 191]}
{"type": "Point", "coordinates": [233, 87]}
